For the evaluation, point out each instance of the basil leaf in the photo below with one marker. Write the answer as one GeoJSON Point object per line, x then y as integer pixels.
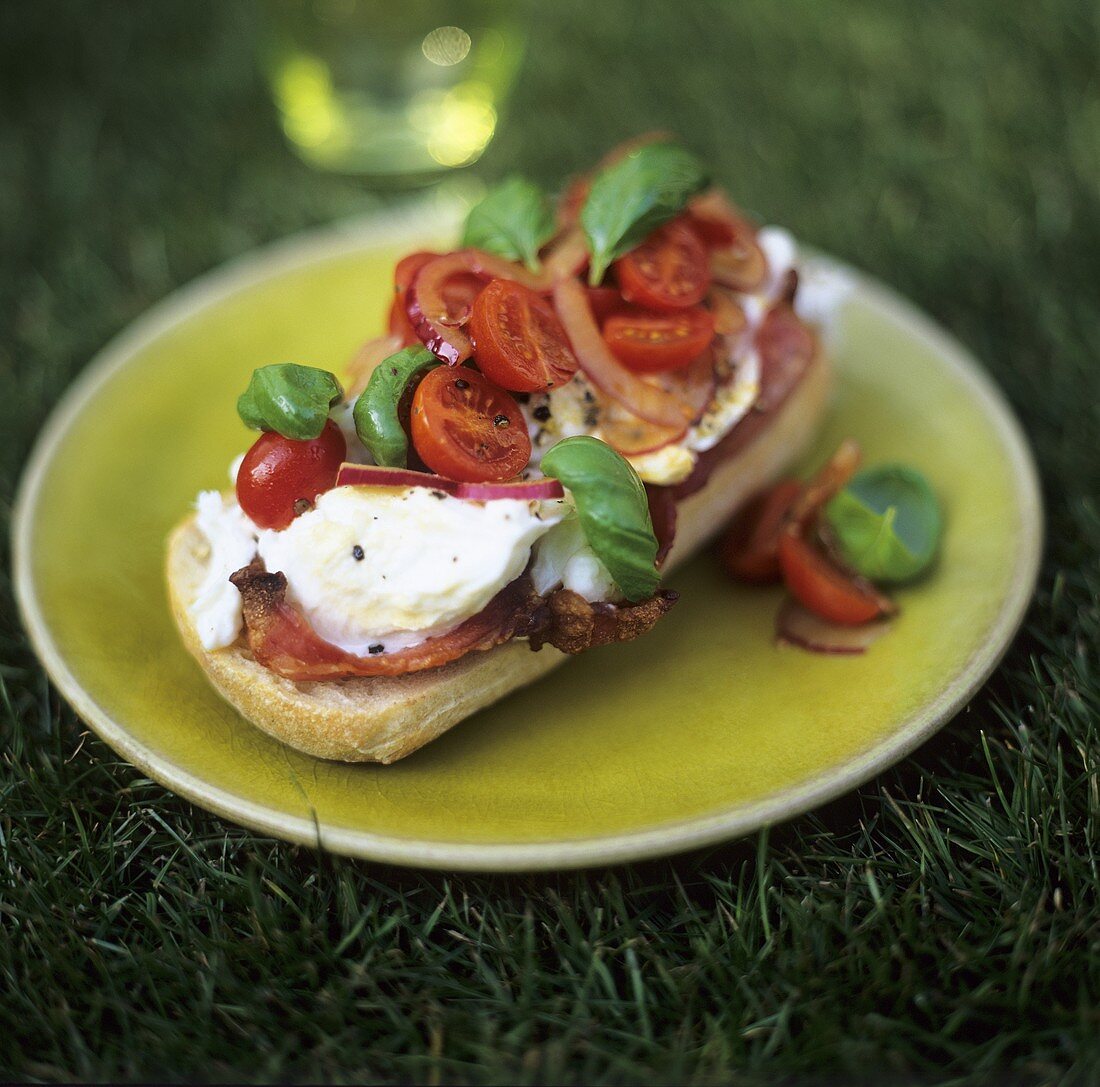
{"type": "Point", "coordinates": [887, 522]}
{"type": "Point", "coordinates": [292, 400]}
{"type": "Point", "coordinates": [632, 197]}
{"type": "Point", "coordinates": [375, 412]}
{"type": "Point", "coordinates": [613, 509]}
{"type": "Point", "coordinates": [514, 220]}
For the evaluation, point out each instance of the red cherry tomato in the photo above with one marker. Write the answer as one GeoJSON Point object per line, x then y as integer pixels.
{"type": "Point", "coordinates": [466, 428]}
{"type": "Point", "coordinates": [279, 477]}
{"type": "Point", "coordinates": [749, 550]}
{"type": "Point", "coordinates": [824, 588]}
{"type": "Point", "coordinates": [654, 342]}
{"type": "Point", "coordinates": [518, 340]}
{"type": "Point", "coordinates": [669, 270]}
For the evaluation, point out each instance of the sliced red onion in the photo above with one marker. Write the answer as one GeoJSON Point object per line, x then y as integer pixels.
{"type": "Point", "coordinates": [798, 626]}
{"type": "Point", "coordinates": [427, 308]}
{"type": "Point", "coordinates": [535, 490]}
{"type": "Point", "coordinates": [372, 475]}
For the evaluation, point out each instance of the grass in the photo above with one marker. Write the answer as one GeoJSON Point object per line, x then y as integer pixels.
{"type": "Point", "coordinates": [941, 924]}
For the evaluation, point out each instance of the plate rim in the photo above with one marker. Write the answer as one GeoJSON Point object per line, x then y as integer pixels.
{"type": "Point", "coordinates": [348, 237]}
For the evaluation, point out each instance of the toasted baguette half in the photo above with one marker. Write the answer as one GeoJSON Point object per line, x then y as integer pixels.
{"type": "Point", "coordinates": [384, 718]}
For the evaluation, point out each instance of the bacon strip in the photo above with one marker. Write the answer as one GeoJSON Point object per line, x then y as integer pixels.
{"type": "Point", "coordinates": [572, 624]}
{"type": "Point", "coordinates": [282, 639]}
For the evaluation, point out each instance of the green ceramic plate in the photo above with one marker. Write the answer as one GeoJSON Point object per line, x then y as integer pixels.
{"type": "Point", "coordinates": [702, 730]}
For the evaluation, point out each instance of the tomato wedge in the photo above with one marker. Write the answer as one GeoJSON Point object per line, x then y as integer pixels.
{"type": "Point", "coordinates": [655, 342]}
{"type": "Point", "coordinates": [518, 339]}
{"type": "Point", "coordinates": [749, 550]}
{"type": "Point", "coordinates": [669, 270]}
{"type": "Point", "coordinates": [466, 428]}
{"type": "Point", "coordinates": [825, 589]}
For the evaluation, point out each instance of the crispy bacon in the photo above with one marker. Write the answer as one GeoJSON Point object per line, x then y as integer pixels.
{"type": "Point", "coordinates": [282, 639]}
{"type": "Point", "coordinates": [572, 624]}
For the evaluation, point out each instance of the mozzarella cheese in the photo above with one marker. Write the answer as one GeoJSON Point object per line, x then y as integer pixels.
{"type": "Point", "coordinates": [428, 561]}
{"type": "Point", "coordinates": [564, 559]}
{"type": "Point", "coordinates": [564, 412]}
{"type": "Point", "coordinates": [231, 536]}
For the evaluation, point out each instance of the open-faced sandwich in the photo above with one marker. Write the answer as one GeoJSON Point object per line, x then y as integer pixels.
{"type": "Point", "coordinates": [563, 410]}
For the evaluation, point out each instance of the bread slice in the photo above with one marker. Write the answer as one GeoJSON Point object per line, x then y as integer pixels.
{"type": "Point", "coordinates": [384, 718]}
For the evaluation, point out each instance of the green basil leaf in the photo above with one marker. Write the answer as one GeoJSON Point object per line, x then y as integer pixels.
{"type": "Point", "coordinates": [632, 197]}
{"type": "Point", "coordinates": [887, 522]}
{"type": "Point", "coordinates": [375, 412]}
{"type": "Point", "coordinates": [292, 400]}
{"type": "Point", "coordinates": [613, 509]}
{"type": "Point", "coordinates": [514, 220]}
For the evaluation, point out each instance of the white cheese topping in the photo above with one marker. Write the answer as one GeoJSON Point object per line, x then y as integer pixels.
{"type": "Point", "coordinates": [563, 558]}
{"type": "Point", "coordinates": [216, 610]}
{"type": "Point", "coordinates": [564, 412]}
{"type": "Point", "coordinates": [429, 561]}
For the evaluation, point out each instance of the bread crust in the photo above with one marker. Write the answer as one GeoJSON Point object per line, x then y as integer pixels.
{"type": "Point", "coordinates": [385, 718]}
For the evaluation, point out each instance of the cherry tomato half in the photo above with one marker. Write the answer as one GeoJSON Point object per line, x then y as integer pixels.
{"type": "Point", "coordinates": [749, 550]}
{"type": "Point", "coordinates": [669, 270]}
{"type": "Point", "coordinates": [518, 340]}
{"type": "Point", "coordinates": [654, 342]}
{"type": "Point", "coordinates": [466, 428]}
{"type": "Point", "coordinates": [824, 588]}
{"type": "Point", "coordinates": [280, 477]}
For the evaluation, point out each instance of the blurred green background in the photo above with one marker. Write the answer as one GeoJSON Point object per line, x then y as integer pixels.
{"type": "Point", "coordinates": [943, 923]}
